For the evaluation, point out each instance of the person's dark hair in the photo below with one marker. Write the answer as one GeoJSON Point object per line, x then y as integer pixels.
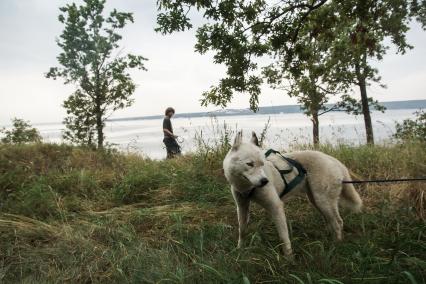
{"type": "Point", "coordinates": [169, 109]}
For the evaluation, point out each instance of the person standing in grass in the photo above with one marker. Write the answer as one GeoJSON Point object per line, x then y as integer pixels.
{"type": "Point", "coordinates": [173, 148]}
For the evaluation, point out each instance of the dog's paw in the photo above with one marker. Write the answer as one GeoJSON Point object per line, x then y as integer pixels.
{"type": "Point", "coordinates": [289, 256]}
{"type": "Point", "coordinates": [287, 251]}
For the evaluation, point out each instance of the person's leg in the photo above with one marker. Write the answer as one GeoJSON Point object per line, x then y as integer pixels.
{"type": "Point", "coordinates": [169, 147]}
{"type": "Point", "coordinates": [176, 148]}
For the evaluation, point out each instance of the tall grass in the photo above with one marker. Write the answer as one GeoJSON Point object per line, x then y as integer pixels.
{"type": "Point", "coordinates": [69, 214]}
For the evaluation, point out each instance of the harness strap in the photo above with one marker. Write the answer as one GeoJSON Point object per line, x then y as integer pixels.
{"type": "Point", "coordinates": [284, 172]}
{"type": "Point", "coordinates": [288, 186]}
{"type": "Point", "coordinates": [298, 179]}
{"type": "Point", "coordinates": [250, 194]}
{"type": "Point", "coordinates": [270, 151]}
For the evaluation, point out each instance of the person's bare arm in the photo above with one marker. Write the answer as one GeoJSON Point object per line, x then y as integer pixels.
{"type": "Point", "coordinates": [169, 133]}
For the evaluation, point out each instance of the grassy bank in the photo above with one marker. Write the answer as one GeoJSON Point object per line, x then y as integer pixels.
{"type": "Point", "coordinates": [73, 215]}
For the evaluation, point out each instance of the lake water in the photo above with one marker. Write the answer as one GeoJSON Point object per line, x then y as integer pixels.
{"type": "Point", "coordinates": [145, 136]}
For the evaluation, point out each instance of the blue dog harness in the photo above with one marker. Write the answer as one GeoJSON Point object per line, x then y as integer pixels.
{"type": "Point", "coordinates": [288, 185]}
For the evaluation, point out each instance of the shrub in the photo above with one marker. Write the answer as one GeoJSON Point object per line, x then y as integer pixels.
{"type": "Point", "coordinates": [411, 129]}
{"type": "Point", "coordinates": [22, 132]}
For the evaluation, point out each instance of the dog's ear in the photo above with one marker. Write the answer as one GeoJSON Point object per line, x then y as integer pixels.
{"type": "Point", "coordinates": [254, 139]}
{"type": "Point", "coordinates": [238, 140]}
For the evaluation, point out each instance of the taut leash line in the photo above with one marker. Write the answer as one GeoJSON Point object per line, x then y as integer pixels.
{"type": "Point", "coordinates": [384, 180]}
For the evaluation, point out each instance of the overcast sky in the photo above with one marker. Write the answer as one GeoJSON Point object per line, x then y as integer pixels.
{"type": "Point", "coordinates": [176, 74]}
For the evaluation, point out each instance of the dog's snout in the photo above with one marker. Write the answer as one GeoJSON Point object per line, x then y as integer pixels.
{"type": "Point", "coordinates": [264, 181]}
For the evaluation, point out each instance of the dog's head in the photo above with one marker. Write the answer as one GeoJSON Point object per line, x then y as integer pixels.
{"type": "Point", "coordinates": [244, 162]}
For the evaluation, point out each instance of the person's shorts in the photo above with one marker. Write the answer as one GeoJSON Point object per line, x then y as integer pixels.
{"type": "Point", "coordinates": [172, 146]}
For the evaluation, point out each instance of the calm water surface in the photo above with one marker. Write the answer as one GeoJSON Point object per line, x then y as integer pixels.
{"type": "Point", "coordinates": [145, 136]}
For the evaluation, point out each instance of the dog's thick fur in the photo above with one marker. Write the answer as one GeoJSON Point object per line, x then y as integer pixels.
{"type": "Point", "coordinates": [246, 168]}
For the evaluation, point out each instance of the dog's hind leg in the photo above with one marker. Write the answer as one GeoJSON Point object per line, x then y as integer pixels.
{"type": "Point", "coordinates": [243, 205]}
{"type": "Point", "coordinates": [330, 211]}
{"type": "Point", "coordinates": [328, 206]}
{"type": "Point", "coordinates": [336, 221]}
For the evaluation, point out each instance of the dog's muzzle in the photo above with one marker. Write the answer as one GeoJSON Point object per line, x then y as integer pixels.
{"type": "Point", "coordinates": [263, 182]}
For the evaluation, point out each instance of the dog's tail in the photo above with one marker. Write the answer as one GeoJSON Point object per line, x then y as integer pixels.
{"type": "Point", "coordinates": [354, 176]}
{"type": "Point", "coordinates": [350, 198]}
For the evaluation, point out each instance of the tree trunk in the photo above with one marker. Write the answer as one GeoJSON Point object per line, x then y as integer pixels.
{"type": "Point", "coordinates": [315, 128]}
{"type": "Point", "coordinates": [366, 112]}
{"type": "Point", "coordinates": [364, 102]}
{"type": "Point", "coordinates": [98, 110]}
{"type": "Point", "coordinates": [99, 125]}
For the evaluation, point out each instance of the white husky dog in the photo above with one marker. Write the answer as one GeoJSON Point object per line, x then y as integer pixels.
{"type": "Point", "coordinates": [256, 178]}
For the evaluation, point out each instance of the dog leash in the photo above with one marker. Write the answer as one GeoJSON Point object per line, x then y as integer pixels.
{"type": "Point", "coordinates": [385, 180]}
{"type": "Point", "coordinates": [301, 169]}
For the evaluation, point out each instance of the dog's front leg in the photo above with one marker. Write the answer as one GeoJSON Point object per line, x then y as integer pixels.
{"type": "Point", "coordinates": [278, 216]}
{"type": "Point", "coordinates": [243, 205]}
{"type": "Point", "coordinates": [269, 200]}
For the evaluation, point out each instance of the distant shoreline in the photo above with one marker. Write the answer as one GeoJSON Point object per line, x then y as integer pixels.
{"type": "Point", "coordinates": [285, 109]}
{"type": "Point", "coordinates": [391, 105]}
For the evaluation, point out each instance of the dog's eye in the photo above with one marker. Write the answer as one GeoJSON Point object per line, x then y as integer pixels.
{"type": "Point", "coordinates": [250, 164]}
